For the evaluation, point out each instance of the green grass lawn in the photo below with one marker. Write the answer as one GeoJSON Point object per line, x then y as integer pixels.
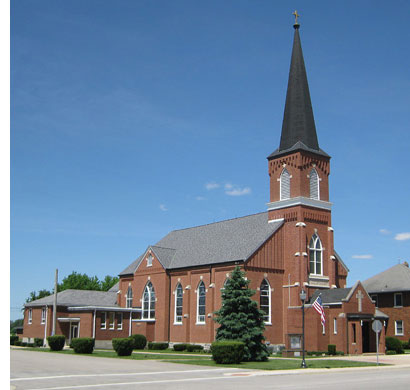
{"type": "Point", "coordinates": [276, 364]}
{"type": "Point", "coordinates": [141, 355]}
{"type": "Point", "coordinates": [206, 360]}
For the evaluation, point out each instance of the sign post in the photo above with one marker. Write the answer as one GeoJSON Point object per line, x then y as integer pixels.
{"type": "Point", "coordinates": [377, 327]}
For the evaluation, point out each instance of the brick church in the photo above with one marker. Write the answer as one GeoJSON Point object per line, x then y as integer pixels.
{"type": "Point", "coordinates": [170, 292]}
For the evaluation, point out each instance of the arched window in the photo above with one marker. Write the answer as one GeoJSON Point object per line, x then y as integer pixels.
{"type": "Point", "coordinates": [148, 302]}
{"type": "Point", "coordinates": [128, 297]}
{"type": "Point", "coordinates": [315, 255]}
{"type": "Point", "coordinates": [314, 184]}
{"type": "Point", "coordinates": [265, 301]}
{"type": "Point", "coordinates": [200, 311]}
{"type": "Point", "coordinates": [284, 184]}
{"type": "Point", "coordinates": [178, 304]}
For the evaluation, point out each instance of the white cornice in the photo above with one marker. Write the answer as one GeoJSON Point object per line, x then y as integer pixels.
{"type": "Point", "coordinates": [299, 201]}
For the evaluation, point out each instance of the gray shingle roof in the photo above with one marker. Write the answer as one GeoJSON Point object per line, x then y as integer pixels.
{"type": "Point", "coordinates": [334, 295]}
{"type": "Point", "coordinates": [78, 298]}
{"type": "Point", "coordinates": [396, 278]}
{"type": "Point", "coordinates": [220, 242]}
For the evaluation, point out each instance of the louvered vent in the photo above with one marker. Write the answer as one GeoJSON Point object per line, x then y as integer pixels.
{"type": "Point", "coordinates": [284, 185]}
{"type": "Point", "coordinates": [314, 184]}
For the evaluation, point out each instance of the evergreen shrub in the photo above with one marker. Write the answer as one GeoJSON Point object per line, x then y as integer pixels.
{"type": "Point", "coordinates": [393, 344]}
{"type": "Point", "coordinates": [139, 341]}
{"type": "Point", "coordinates": [23, 344]}
{"type": "Point", "coordinates": [56, 343]}
{"type": "Point", "coordinates": [227, 352]}
{"type": "Point", "coordinates": [331, 349]}
{"type": "Point", "coordinates": [30, 345]}
{"type": "Point", "coordinates": [38, 342]}
{"type": "Point", "coordinates": [123, 346]}
{"type": "Point", "coordinates": [17, 343]}
{"type": "Point", "coordinates": [391, 352]}
{"type": "Point", "coordinates": [240, 318]}
{"type": "Point", "coordinates": [13, 339]}
{"type": "Point", "coordinates": [157, 346]}
{"type": "Point", "coordinates": [83, 345]}
{"type": "Point", "coordinates": [180, 347]}
{"type": "Point", "coordinates": [194, 348]}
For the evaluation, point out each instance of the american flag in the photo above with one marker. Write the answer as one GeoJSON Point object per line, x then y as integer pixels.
{"type": "Point", "coordinates": [317, 304]}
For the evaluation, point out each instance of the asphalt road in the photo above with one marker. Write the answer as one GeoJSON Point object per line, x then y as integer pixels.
{"type": "Point", "coordinates": [38, 370]}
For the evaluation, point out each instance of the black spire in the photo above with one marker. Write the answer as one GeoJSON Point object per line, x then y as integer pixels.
{"type": "Point", "coordinates": [298, 127]}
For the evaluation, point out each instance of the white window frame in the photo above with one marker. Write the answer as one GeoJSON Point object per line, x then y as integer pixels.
{"type": "Point", "coordinates": [120, 320]}
{"type": "Point", "coordinates": [150, 290]}
{"type": "Point", "coordinates": [43, 315]}
{"type": "Point", "coordinates": [335, 325]}
{"type": "Point", "coordinates": [103, 323]}
{"type": "Point", "coordinates": [395, 299]}
{"type": "Point", "coordinates": [30, 316]}
{"type": "Point", "coordinates": [282, 177]}
{"type": "Point", "coordinates": [267, 321]}
{"type": "Point", "coordinates": [178, 318]}
{"type": "Point", "coordinates": [312, 248]}
{"type": "Point", "coordinates": [200, 318]}
{"type": "Point", "coordinates": [111, 320]}
{"type": "Point", "coordinates": [396, 331]}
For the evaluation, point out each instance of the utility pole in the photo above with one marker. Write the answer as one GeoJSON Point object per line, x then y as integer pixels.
{"type": "Point", "coordinates": [53, 332]}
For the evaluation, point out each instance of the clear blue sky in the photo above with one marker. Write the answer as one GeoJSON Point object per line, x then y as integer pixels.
{"type": "Point", "coordinates": [133, 118]}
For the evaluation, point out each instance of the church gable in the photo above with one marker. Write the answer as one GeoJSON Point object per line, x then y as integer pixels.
{"type": "Point", "coordinates": [154, 259]}
{"type": "Point", "coordinates": [358, 301]}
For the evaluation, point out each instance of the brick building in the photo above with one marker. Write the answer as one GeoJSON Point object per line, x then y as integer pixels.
{"type": "Point", "coordinates": [80, 313]}
{"type": "Point", "coordinates": [390, 290]}
{"type": "Point", "coordinates": [172, 290]}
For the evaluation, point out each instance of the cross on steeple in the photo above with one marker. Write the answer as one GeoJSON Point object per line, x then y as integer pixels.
{"type": "Point", "coordinates": [296, 16]}
{"type": "Point", "coordinates": [359, 297]}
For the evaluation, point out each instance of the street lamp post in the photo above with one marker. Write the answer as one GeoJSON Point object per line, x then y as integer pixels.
{"type": "Point", "coordinates": [302, 296]}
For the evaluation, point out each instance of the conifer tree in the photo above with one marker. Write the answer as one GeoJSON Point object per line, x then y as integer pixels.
{"type": "Point", "coordinates": [240, 318]}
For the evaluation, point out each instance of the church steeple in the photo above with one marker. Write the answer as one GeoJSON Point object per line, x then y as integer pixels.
{"type": "Point", "coordinates": [298, 126]}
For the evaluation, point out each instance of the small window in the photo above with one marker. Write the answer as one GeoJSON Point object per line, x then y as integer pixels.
{"type": "Point", "coordinates": [374, 298]}
{"type": "Point", "coordinates": [119, 321]}
{"type": "Point", "coordinates": [335, 325]}
{"type": "Point", "coordinates": [112, 320]}
{"type": "Point", "coordinates": [128, 297]}
{"type": "Point", "coordinates": [103, 320]}
{"type": "Point", "coordinates": [43, 315]}
{"type": "Point", "coordinates": [178, 304]}
{"type": "Point", "coordinates": [265, 301]}
{"type": "Point", "coordinates": [201, 307]}
{"type": "Point", "coordinates": [399, 328]}
{"type": "Point", "coordinates": [149, 261]}
{"type": "Point", "coordinates": [398, 300]}
{"type": "Point", "coordinates": [30, 316]}
{"type": "Point", "coordinates": [354, 333]}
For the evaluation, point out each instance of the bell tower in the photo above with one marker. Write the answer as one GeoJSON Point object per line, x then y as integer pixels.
{"type": "Point", "coordinates": [299, 187]}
